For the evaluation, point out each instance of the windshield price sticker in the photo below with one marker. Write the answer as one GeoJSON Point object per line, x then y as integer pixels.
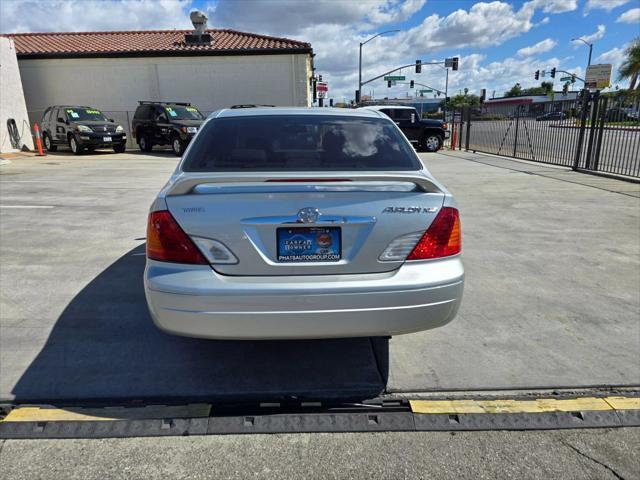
{"type": "Point", "coordinates": [93, 112]}
{"type": "Point", "coordinates": [73, 114]}
{"type": "Point", "coordinates": [191, 109]}
{"type": "Point", "coordinates": [171, 112]}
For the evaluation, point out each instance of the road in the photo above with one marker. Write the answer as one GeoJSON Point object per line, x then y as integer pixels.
{"type": "Point", "coordinates": [551, 299]}
{"type": "Point", "coordinates": [548, 142]}
{"type": "Point", "coordinates": [585, 454]}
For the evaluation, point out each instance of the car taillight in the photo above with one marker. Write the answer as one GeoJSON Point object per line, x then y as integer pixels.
{"type": "Point", "coordinates": [167, 242]}
{"type": "Point", "coordinates": [442, 239]}
{"type": "Point", "coordinates": [445, 126]}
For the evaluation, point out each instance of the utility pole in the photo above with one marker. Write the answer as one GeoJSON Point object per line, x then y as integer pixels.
{"type": "Point", "coordinates": [359, 91]}
{"type": "Point", "coordinates": [590, 45]}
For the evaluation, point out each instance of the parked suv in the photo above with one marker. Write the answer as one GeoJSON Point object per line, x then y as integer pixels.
{"type": "Point", "coordinates": [428, 134]}
{"type": "Point", "coordinates": [165, 123]}
{"type": "Point", "coordinates": [80, 128]}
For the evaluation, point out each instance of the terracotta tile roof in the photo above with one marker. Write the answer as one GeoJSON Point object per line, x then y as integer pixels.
{"type": "Point", "coordinates": [148, 42]}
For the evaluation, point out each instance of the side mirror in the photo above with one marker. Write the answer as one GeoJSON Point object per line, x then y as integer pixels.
{"type": "Point", "coordinates": [112, 120]}
{"type": "Point", "coordinates": [61, 120]}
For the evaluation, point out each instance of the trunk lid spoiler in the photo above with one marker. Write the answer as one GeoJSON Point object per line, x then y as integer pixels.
{"type": "Point", "coordinates": [184, 183]}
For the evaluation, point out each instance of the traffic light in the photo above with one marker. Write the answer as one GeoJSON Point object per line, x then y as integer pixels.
{"type": "Point", "coordinates": [389, 84]}
{"type": "Point", "coordinates": [454, 64]}
{"type": "Point", "coordinates": [537, 75]}
{"type": "Point", "coordinates": [553, 72]}
{"type": "Point", "coordinates": [418, 66]}
{"type": "Point", "coordinates": [483, 95]}
{"type": "Point", "coordinates": [573, 78]}
{"type": "Point", "coordinates": [565, 88]}
{"type": "Point", "coordinates": [411, 84]}
{"type": "Point", "coordinates": [331, 102]}
{"type": "Point", "coordinates": [357, 96]}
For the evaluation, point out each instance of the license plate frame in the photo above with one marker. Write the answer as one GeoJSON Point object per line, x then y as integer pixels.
{"type": "Point", "coordinates": [308, 244]}
{"type": "Point", "coordinates": [107, 139]}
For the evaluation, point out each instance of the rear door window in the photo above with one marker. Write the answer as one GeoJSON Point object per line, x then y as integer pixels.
{"type": "Point", "coordinates": [143, 113]}
{"type": "Point", "coordinates": [402, 114]}
{"type": "Point", "coordinates": [299, 142]}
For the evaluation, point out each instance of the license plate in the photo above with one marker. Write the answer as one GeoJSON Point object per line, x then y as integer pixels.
{"type": "Point", "coordinates": [309, 244]}
{"type": "Point", "coordinates": [106, 139]}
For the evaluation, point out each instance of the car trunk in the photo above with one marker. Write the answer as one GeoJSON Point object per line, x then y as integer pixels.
{"type": "Point", "coordinates": [262, 223]}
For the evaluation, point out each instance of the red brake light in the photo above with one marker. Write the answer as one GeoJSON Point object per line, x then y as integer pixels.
{"type": "Point", "coordinates": [445, 126]}
{"type": "Point", "coordinates": [442, 239]}
{"type": "Point", "coordinates": [167, 242]}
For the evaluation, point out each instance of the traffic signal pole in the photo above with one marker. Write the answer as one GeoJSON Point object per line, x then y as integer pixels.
{"type": "Point", "coordinates": [446, 95]}
{"type": "Point", "coordinates": [399, 68]}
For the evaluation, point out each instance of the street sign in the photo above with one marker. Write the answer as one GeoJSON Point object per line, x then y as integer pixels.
{"type": "Point", "coordinates": [322, 88]}
{"type": "Point", "coordinates": [598, 75]}
{"type": "Point", "coordinates": [394, 78]}
{"type": "Point", "coordinates": [565, 79]}
{"type": "Point", "coordinates": [428, 90]}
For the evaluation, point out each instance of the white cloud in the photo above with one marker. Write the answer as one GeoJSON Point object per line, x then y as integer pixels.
{"type": "Point", "coordinates": [630, 16]}
{"type": "Point", "coordinates": [288, 16]}
{"type": "Point", "coordinates": [540, 47]}
{"type": "Point", "coordinates": [597, 35]}
{"type": "Point", "coordinates": [334, 28]}
{"type": "Point", "coordinates": [555, 6]}
{"type": "Point", "coordinates": [88, 15]}
{"type": "Point", "coordinates": [607, 5]}
{"type": "Point", "coordinates": [615, 57]}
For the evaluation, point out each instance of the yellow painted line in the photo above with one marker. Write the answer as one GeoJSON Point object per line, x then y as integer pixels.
{"type": "Point", "coordinates": [510, 406]}
{"type": "Point", "coordinates": [624, 403]}
{"type": "Point", "coordinates": [50, 414]}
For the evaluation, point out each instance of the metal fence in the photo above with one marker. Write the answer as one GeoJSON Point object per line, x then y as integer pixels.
{"type": "Point", "coordinates": [595, 133]}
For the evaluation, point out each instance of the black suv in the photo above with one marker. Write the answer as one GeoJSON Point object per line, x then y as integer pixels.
{"type": "Point", "coordinates": [165, 123]}
{"type": "Point", "coordinates": [80, 128]}
{"type": "Point", "coordinates": [428, 134]}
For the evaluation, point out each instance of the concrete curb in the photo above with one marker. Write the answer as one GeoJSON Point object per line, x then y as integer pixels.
{"type": "Point", "coordinates": [30, 421]}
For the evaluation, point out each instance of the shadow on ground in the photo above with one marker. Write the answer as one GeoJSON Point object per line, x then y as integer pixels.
{"type": "Point", "coordinates": [105, 346]}
{"type": "Point", "coordinates": [158, 152]}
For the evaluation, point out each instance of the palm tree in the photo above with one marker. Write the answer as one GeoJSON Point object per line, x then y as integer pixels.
{"type": "Point", "coordinates": [630, 68]}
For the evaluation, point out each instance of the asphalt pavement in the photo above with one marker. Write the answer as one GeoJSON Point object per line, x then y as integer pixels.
{"type": "Point", "coordinates": [552, 296]}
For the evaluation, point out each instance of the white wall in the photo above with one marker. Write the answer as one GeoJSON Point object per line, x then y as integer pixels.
{"type": "Point", "coordinates": [12, 104]}
{"type": "Point", "coordinates": [116, 84]}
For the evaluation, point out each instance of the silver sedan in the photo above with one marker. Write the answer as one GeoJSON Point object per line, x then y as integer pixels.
{"type": "Point", "coordinates": [302, 223]}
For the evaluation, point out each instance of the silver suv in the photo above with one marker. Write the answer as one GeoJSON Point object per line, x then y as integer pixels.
{"type": "Point", "coordinates": [302, 223]}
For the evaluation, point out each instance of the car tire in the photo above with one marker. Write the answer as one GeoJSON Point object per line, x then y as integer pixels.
{"type": "Point", "coordinates": [75, 147]}
{"type": "Point", "coordinates": [177, 146]}
{"type": "Point", "coordinates": [48, 145]}
{"type": "Point", "coordinates": [431, 142]}
{"type": "Point", "coordinates": [145, 144]}
{"type": "Point", "coordinates": [120, 148]}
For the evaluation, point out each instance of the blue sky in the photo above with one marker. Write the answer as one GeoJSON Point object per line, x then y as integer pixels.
{"type": "Point", "coordinates": [499, 43]}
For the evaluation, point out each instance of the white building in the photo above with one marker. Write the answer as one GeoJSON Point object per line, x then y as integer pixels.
{"type": "Point", "coordinates": [112, 71]}
{"type": "Point", "coordinates": [12, 105]}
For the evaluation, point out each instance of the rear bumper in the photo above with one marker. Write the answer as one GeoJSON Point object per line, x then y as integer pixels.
{"type": "Point", "coordinates": [195, 301]}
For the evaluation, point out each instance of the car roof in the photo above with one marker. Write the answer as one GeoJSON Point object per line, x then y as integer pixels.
{"type": "Point", "coordinates": [72, 106]}
{"type": "Point", "coordinates": [380, 107]}
{"type": "Point", "coordinates": [303, 111]}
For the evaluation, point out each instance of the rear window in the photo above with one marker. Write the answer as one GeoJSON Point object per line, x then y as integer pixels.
{"type": "Point", "coordinates": [297, 142]}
